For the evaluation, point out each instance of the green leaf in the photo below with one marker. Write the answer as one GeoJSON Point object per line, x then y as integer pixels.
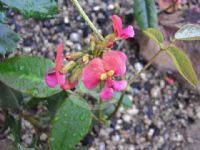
{"type": "Point", "coordinates": [82, 89]}
{"type": "Point", "coordinates": [54, 102]}
{"type": "Point", "coordinates": [15, 126]}
{"type": "Point", "coordinates": [23, 148]}
{"type": "Point", "coordinates": [126, 103]}
{"type": "Point", "coordinates": [39, 9]}
{"type": "Point", "coordinates": [72, 122]}
{"type": "Point", "coordinates": [26, 74]}
{"type": "Point", "coordinates": [145, 13]}
{"type": "Point", "coordinates": [183, 64]}
{"type": "Point", "coordinates": [3, 18]}
{"type": "Point", "coordinates": [8, 40]}
{"type": "Point", "coordinates": [8, 99]}
{"type": "Point", "coordinates": [155, 35]}
{"type": "Point", "coordinates": [188, 32]}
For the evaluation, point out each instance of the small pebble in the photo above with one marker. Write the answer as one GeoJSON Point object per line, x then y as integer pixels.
{"type": "Point", "coordinates": [102, 146]}
{"type": "Point", "coordinates": [155, 92]}
{"type": "Point", "coordinates": [43, 137]}
{"type": "Point", "coordinates": [27, 49]}
{"type": "Point", "coordinates": [127, 117]}
{"type": "Point", "coordinates": [138, 66]}
{"type": "Point", "coordinates": [116, 138]}
{"type": "Point", "coordinates": [133, 111]}
{"type": "Point", "coordinates": [66, 20]}
{"type": "Point", "coordinates": [150, 133]}
{"type": "Point", "coordinates": [75, 37]}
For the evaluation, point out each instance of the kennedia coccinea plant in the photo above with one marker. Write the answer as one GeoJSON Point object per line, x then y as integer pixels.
{"type": "Point", "coordinates": [112, 64]}
{"type": "Point", "coordinates": [80, 88]}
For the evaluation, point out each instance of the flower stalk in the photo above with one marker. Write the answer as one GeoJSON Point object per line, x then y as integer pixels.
{"type": "Point", "coordinates": [86, 18]}
{"type": "Point", "coordinates": [132, 80]}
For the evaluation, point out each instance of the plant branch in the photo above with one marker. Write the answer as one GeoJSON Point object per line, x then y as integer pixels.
{"type": "Point", "coordinates": [131, 81]}
{"type": "Point", "coordinates": [118, 105]}
{"type": "Point", "coordinates": [86, 18]}
{"type": "Point", "coordinates": [33, 121]}
{"type": "Point", "coordinates": [145, 67]}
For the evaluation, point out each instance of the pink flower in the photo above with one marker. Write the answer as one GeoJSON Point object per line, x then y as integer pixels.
{"type": "Point", "coordinates": [119, 31]}
{"type": "Point", "coordinates": [54, 77]}
{"type": "Point", "coordinates": [112, 64]}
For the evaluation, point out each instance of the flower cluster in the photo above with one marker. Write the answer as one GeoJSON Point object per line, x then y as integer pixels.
{"type": "Point", "coordinates": [101, 65]}
{"type": "Point", "coordinates": [55, 77]}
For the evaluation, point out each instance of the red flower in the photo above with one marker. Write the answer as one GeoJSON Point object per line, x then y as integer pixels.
{"type": "Point", "coordinates": [54, 77]}
{"type": "Point", "coordinates": [112, 64]}
{"type": "Point", "coordinates": [122, 33]}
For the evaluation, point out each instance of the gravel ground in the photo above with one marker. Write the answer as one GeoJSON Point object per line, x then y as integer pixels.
{"type": "Point", "coordinates": [162, 111]}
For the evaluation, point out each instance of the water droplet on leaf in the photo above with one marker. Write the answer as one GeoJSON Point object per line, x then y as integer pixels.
{"type": "Point", "coordinates": [82, 117]}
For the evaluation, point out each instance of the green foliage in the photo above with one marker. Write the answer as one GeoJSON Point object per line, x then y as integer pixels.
{"type": "Point", "coordinates": [188, 32]}
{"type": "Point", "coordinates": [155, 35]}
{"type": "Point", "coordinates": [15, 126]}
{"type": "Point", "coordinates": [8, 99]}
{"type": "Point", "coordinates": [71, 123]}
{"type": "Point", "coordinates": [183, 64]}
{"type": "Point", "coordinates": [23, 148]}
{"type": "Point", "coordinates": [8, 39]}
{"type": "Point", "coordinates": [39, 9]}
{"type": "Point", "coordinates": [145, 13]}
{"type": "Point", "coordinates": [83, 90]}
{"type": "Point", "coordinates": [3, 18]}
{"type": "Point", "coordinates": [26, 74]}
{"type": "Point", "coordinates": [54, 102]}
{"type": "Point", "coordinates": [126, 103]}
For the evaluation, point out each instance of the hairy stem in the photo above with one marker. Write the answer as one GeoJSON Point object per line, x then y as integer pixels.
{"type": "Point", "coordinates": [86, 18]}
{"type": "Point", "coordinates": [131, 81]}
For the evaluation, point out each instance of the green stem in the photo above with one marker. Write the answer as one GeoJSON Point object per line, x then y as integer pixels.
{"type": "Point", "coordinates": [100, 103]}
{"type": "Point", "coordinates": [86, 18]}
{"type": "Point", "coordinates": [131, 81]}
{"type": "Point", "coordinates": [145, 67]}
{"type": "Point", "coordinates": [118, 105]}
{"type": "Point", "coordinates": [33, 121]}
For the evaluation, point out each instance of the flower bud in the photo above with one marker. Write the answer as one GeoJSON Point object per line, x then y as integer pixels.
{"type": "Point", "coordinates": [74, 56]}
{"type": "Point", "coordinates": [75, 75]}
{"type": "Point", "coordinates": [68, 67]}
{"type": "Point", "coordinates": [85, 58]}
{"type": "Point", "coordinates": [92, 42]}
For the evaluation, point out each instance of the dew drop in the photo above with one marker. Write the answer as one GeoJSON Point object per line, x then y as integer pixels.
{"type": "Point", "coordinates": [21, 67]}
{"type": "Point", "coordinates": [52, 139]}
{"type": "Point", "coordinates": [56, 118]}
{"type": "Point", "coordinates": [64, 122]}
{"type": "Point", "coordinates": [82, 117]}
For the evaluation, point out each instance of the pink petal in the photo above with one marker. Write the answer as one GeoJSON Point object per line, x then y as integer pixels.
{"type": "Point", "coordinates": [115, 60]}
{"type": "Point", "coordinates": [119, 85]}
{"type": "Point", "coordinates": [60, 78]}
{"type": "Point", "coordinates": [59, 57]}
{"type": "Point", "coordinates": [117, 24]}
{"type": "Point", "coordinates": [50, 78]}
{"type": "Point", "coordinates": [69, 85]}
{"type": "Point", "coordinates": [92, 72]}
{"type": "Point", "coordinates": [106, 93]}
{"type": "Point", "coordinates": [127, 32]}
